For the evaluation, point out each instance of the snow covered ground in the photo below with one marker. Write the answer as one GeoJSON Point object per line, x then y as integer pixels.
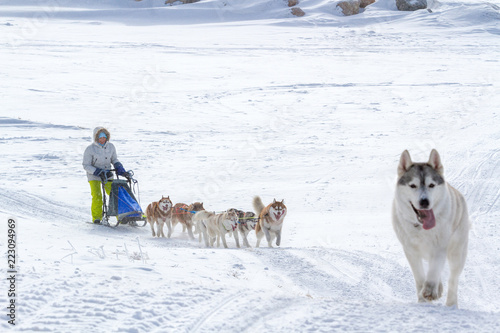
{"type": "Point", "coordinates": [219, 101]}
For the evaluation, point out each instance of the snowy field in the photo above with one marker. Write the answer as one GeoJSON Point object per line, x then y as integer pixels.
{"type": "Point", "coordinates": [219, 101]}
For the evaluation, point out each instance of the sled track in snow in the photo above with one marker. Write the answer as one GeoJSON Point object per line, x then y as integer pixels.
{"type": "Point", "coordinates": [336, 274]}
{"type": "Point", "coordinates": [488, 171]}
{"type": "Point", "coordinates": [23, 203]}
{"type": "Point", "coordinates": [216, 308]}
{"type": "Point", "coordinates": [480, 184]}
{"type": "Point", "coordinates": [243, 312]}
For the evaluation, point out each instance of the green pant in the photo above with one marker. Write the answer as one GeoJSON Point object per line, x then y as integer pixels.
{"type": "Point", "coordinates": [95, 190]}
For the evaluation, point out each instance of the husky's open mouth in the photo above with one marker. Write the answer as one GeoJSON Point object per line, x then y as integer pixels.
{"type": "Point", "coordinates": [425, 217]}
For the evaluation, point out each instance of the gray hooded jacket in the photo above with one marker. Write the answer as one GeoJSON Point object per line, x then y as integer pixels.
{"type": "Point", "coordinates": [97, 156]}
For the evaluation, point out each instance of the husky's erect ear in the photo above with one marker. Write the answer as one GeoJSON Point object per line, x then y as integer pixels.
{"type": "Point", "coordinates": [435, 162]}
{"type": "Point", "coordinates": [274, 200]}
{"type": "Point", "coordinates": [283, 201]}
{"type": "Point", "coordinates": [404, 163]}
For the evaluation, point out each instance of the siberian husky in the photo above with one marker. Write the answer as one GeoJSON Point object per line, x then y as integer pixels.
{"type": "Point", "coordinates": [246, 223]}
{"type": "Point", "coordinates": [218, 225]}
{"type": "Point", "coordinates": [200, 222]}
{"type": "Point", "coordinates": [431, 221]}
{"type": "Point", "coordinates": [270, 220]}
{"type": "Point", "coordinates": [182, 213]}
{"type": "Point", "coordinates": [160, 212]}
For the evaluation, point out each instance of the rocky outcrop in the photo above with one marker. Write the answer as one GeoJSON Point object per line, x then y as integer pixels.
{"type": "Point", "coordinates": [365, 3]}
{"type": "Point", "coordinates": [411, 5]}
{"type": "Point", "coordinates": [298, 12]}
{"type": "Point", "coordinates": [295, 10]}
{"type": "Point", "coordinates": [349, 7]}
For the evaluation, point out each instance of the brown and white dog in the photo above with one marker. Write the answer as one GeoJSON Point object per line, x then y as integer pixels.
{"type": "Point", "coordinates": [271, 220]}
{"type": "Point", "coordinates": [183, 214]}
{"type": "Point", "coordinates": [214, 226]}
{"type": "Point", "coordinates": [160, 212]}
{"type": "Point", "coordinates": [246, 223]}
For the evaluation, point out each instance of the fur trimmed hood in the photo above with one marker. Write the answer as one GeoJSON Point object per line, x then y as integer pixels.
{"type": "Point", "coordinates": [99, 130]}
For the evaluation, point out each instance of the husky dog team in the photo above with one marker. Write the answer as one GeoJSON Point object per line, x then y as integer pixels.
{"type": "Point", "coordinates": [213, 226]}
{"type": "Point", "coordinates": [429, 217]}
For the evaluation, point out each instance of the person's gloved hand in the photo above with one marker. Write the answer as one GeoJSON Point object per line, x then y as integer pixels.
{"type": "Point", "coordinates": [103, 176]}
{"type": "Point", "coordinates": [120, 170]}
{"type": "Point", "coordinates": [98, 172]}
{"type": "Point", "coordinates": [106, 175]}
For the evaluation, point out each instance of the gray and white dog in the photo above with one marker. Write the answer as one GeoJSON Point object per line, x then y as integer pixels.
{"type": "Point", "coordinates": [246, 223]}
{"type": "Point", "coordinates": [431, 221]}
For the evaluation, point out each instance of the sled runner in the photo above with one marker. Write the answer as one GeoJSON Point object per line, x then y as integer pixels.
{"type": "Point", "coordinates": [122, 204]}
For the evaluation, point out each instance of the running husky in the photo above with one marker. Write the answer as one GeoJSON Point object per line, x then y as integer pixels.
{"type": "Point", "coordinates": [270, 220]}
{"type": "Point", "coordinates": [431, 222]}
{"type": "Point", "coordinates": [200, 222]}
{"type": "Point", "coordinates": [221, 224]}
{"type": "Point", "coordinates": [213, 226]}
{"type": "Point", "coordinates": [182, 214]}
{"type": "Point", "coordinates": [160, 212]}
{"type": "Point", "coordinates": [246, 223]}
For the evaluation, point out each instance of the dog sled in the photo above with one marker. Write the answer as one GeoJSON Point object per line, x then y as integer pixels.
{"type": "Point", "coordinates": [122, 204]}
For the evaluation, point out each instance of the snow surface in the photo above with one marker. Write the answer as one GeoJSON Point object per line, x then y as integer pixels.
{"type": "Point", "coordinates": [219, 101]}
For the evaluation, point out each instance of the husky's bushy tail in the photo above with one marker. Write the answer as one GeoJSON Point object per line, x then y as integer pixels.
{"type": "Point", "coordinates": [258, 206]}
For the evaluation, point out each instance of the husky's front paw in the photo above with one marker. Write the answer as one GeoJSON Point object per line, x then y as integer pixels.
{"type": "Point", "coordinates": [431, 291]}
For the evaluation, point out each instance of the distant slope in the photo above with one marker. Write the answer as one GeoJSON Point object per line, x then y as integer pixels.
{"type": "Point", "coordinates": [459, 13]}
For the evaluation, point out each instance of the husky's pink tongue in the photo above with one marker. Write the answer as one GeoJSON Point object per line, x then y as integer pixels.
{"type": "Point", "coordinates": [427, 218]}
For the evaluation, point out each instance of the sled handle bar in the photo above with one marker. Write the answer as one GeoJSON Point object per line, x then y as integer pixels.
{"type": "Point", "coordinates": [130, 178]}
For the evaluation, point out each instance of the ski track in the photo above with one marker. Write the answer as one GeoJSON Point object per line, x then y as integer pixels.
{"type": "Point", "coordinates": [216, 310]}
